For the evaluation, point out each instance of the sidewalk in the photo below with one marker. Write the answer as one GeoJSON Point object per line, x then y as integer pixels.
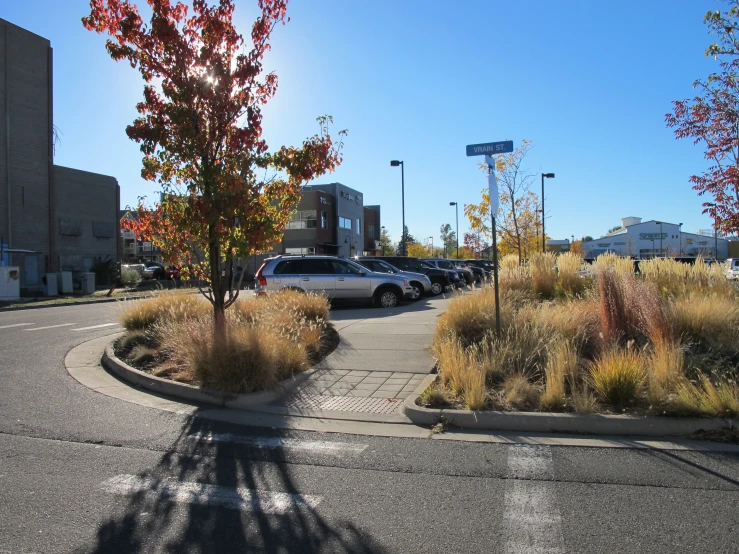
{"type": "Point", "coordinates": [381, 359]}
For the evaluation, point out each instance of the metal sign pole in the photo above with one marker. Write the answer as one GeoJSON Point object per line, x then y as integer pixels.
{"type": "Point", "coordinates": [495, 273]}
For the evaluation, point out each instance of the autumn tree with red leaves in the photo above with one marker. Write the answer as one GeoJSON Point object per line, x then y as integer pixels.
{"type": "Point", "coordinates": [712, 118]}
{"type": "Point", "coordinates": [225, 196]}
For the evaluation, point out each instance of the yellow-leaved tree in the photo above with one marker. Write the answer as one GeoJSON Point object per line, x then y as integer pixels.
{"type": "Point", "coordinates": [518, 224]}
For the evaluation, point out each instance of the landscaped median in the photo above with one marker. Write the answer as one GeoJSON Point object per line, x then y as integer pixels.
{"type": "Point", "coordinates": [593, 350]}
{"type": "Point", "coordinates": [268, 342]}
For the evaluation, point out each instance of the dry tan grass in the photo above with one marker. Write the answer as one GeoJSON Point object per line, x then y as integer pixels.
{"type": "Point", "coordinates": [613, 262]}
{"type": "Point", "coordinates": [569, 266]}
{"type": "Point", "coordinates": [461, 372]}
{"type": "Point", "coordinates": [520, 393]}
{"type": "Point", "coordinates": [618, 375]}
{"type": "Point", "coordinates": [514, 277]}
{"type": "Point", "coordinates": [167, 306]}
{"type": "Point", "coordinates": [561, 367]}
{"type": "Point", "coordinates": [707, 398]}
{"type": "Point", "coordinates": [674, 278]}
{"type": "Point", "coordinates": [665, 370]}
{"type": "Point", "coordinates": [711, 320]}
{"type": "Point", "coordinates": [475, 392]}
{"type": "Point", "coordinates": [543, 273]}
{"type": "Point", "coordinates": [467, 318]}
{"type": "Point", "coordinates": [583, 399]}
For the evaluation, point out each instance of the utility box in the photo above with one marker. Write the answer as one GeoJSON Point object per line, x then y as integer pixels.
{"type": "Point", "coordinates": [48, 284]}
{"type": "Point", "coordinates": [88, 283]}
{"type": "Point", "coordinates": [10, 283]}
{"type": "Point", "coordinates": [64, 282]}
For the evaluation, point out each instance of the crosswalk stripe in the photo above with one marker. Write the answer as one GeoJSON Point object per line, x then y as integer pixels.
{"type": "Point", "coordinates": [50, 327]}
{"type": "Point", "coordinates": [235, 498]}
{"type": "Point", "coordinates": [95, 327]}
{"type": "Point", "coordinates": [272, 443]}
{"type": "Point", "coordinates": [14, 325]}
{"type": "Point", "coordinates": [531, 518]}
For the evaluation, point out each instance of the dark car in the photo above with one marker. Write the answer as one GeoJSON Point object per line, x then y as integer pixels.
{"type": "Point", "coordinates": [440, 279]}
{"type": "Point", "coordinates": [484, 266]}
{"type": "Point", "coordinates": [157, 271]}
{"type": "Point", "coordinates": [420, 282]}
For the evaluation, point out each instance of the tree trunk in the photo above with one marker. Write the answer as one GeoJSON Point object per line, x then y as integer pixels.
{"type": "Point", "coordinates": [216, 283]}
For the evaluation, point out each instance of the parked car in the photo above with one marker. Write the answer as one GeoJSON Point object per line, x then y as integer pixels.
{"type": "Point", "coordinates": [732, 269]}
{"type": "Point", "coordinates": [421, 283]}
{"type": "Point", "coordinates": [478, 275]}
{"type": "Point", "coordinates": [454, 277]}
{"type": "Point", "coordinates": [440, 280]}
{"type": "Point", "coordinates": [172, 272]}
{"type": "Point", "coordinates": [336, 278]}
{"type": "Point", "coordinates": [464, 272]}
{"type": "Point", "coordinates": [485, 267]}
{"type": "Point", "coordinates": [156, 270]}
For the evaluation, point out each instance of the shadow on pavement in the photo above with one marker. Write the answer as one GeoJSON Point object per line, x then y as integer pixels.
{"type": "Point", "coordinates": [154, 523]}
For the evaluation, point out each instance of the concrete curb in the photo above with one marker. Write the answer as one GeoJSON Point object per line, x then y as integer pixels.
{"type": "Point", "coordinates": [31, 306]}
{"type": "Point", "coordinates": [192, 393]}
{"type": "Point", "coordinates": [543, 422]}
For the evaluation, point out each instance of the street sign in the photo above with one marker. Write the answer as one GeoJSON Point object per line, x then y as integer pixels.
{"type": "Point", "coordinates": [490, 148]}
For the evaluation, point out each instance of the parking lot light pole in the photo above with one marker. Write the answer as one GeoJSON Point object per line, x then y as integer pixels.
{"type": "Point", "coordinates": [432, 246]}
{"type": "Point", "coordinates": [660, 237]}
{"type": "Point", "coordinates": [680, 225]}
{"type": "Point", "coordinates": [396, 163]}
{"type": "Point", "coordinates": [456, 209]}
{"type": "Point", "coordinates": [382, 242]}
{"type": "Point", "coordinates": [543, 234]}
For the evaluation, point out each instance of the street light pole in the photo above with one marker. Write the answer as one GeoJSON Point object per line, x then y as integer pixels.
{"type": "Point", "coordinates": [660, 237]}
{"type": "Point", "coordinates": [382, 242]}
{"type": "Point", "coordinates": [543, 233]}
{"type": "Point", "coordinates": [432, 247]}
{"type": "Point", "coordinates": [396, 163]}
{"type": "Point", "coordinates": [456, 209]}
{"type": "Point", "coordinates": [680, 225]}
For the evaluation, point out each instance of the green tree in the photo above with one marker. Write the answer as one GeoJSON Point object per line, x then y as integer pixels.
{"type": "Point", "coordinates": [448, 239]}
{"type": "Point", "coordinates": [386, 245]}
{"type": "Point", "coordinates": [405, 241]}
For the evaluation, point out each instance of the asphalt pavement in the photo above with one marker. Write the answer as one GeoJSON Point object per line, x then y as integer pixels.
{"type": "Point", "coordinates": [84, 472]}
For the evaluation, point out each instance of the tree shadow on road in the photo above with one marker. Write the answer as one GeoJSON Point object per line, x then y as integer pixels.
{"type": "Point", "coordinates": [153, 522]}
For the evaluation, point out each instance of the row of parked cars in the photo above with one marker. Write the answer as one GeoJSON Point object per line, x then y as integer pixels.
{"type": "Point", "coordinates": [385, 280]}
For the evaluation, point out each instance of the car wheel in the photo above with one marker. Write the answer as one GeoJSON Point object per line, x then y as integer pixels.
{"type": "Point", "coordinates": [436, 288]}
{"type": "Point", "coordinates": [417, 291]}
{"type": "Point", "coordinates": [387, 298]}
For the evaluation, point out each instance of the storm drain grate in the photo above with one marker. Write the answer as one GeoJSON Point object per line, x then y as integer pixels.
{"type": "Point", "coordinates": [343, 403]}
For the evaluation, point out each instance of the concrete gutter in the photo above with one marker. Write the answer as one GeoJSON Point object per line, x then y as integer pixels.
{"type": "Point", "coordinates": [192, 393]}
{"type": "Point", "coordinates": [31, 305]}
{"type": "Point", "coordinates": [546, 422]}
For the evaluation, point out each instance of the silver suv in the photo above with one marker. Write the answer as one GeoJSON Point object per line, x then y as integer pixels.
{"type": "Point", "coordinates": [332, 277]}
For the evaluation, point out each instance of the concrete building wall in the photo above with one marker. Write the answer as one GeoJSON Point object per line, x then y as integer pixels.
{"type": "Point", "coordinates": [652, 239]}
{"type": "Point", "coordinates": [87, 223]}
{"type": "Point", "coordinates": [26, 119]}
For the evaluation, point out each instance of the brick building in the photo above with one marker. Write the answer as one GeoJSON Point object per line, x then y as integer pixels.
{"type": "Point", "coordinates": [51, 217]}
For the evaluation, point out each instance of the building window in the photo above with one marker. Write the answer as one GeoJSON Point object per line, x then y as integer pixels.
{"type": "Point", "coordinates": [324, 220]}
{"type": "Point", "coordinates": [307, 250]}
{"type": "Point", "coordinates": [345, 223]}
{"type": "Point", "coordinates": [359, 225]}
{"type": "Point", "coordinates": [303, 219]}
{"type": "Point", "coordinates": [371, 231]}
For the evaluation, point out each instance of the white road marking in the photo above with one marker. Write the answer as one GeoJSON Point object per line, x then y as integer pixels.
{"type": "Point", "coordinates": [270, 443]}
{"type": "Point", "coordinates": [15, 325]}
{"type": "Point", "coordinates": [50, 327]}
{"type": "Point", "coordinates": [235, 498]}
{"type": "Point", "coordinates": [95, 327]}
{"type": "Point", "coordinates": [531, 519]}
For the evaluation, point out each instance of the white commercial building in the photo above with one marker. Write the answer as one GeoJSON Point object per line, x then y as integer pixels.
{"type": "Point", "coordinates": [651, 239]}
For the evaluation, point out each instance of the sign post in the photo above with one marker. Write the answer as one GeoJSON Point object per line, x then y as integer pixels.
{"type": "Point", "coordinates": [487, 150]}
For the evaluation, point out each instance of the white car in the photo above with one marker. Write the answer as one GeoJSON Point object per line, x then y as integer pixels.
{"type": "Point", "coordinates": [732, 269]}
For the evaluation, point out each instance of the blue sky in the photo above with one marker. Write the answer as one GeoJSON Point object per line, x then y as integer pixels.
{"type": "Point", "coordinates": [588, 82]}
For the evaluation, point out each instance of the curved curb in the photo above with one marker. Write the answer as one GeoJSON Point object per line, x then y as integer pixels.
{"type": "Point", "coordinates": [192, 393]}
{"type": "Point", "coordinates": [549, 422]}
